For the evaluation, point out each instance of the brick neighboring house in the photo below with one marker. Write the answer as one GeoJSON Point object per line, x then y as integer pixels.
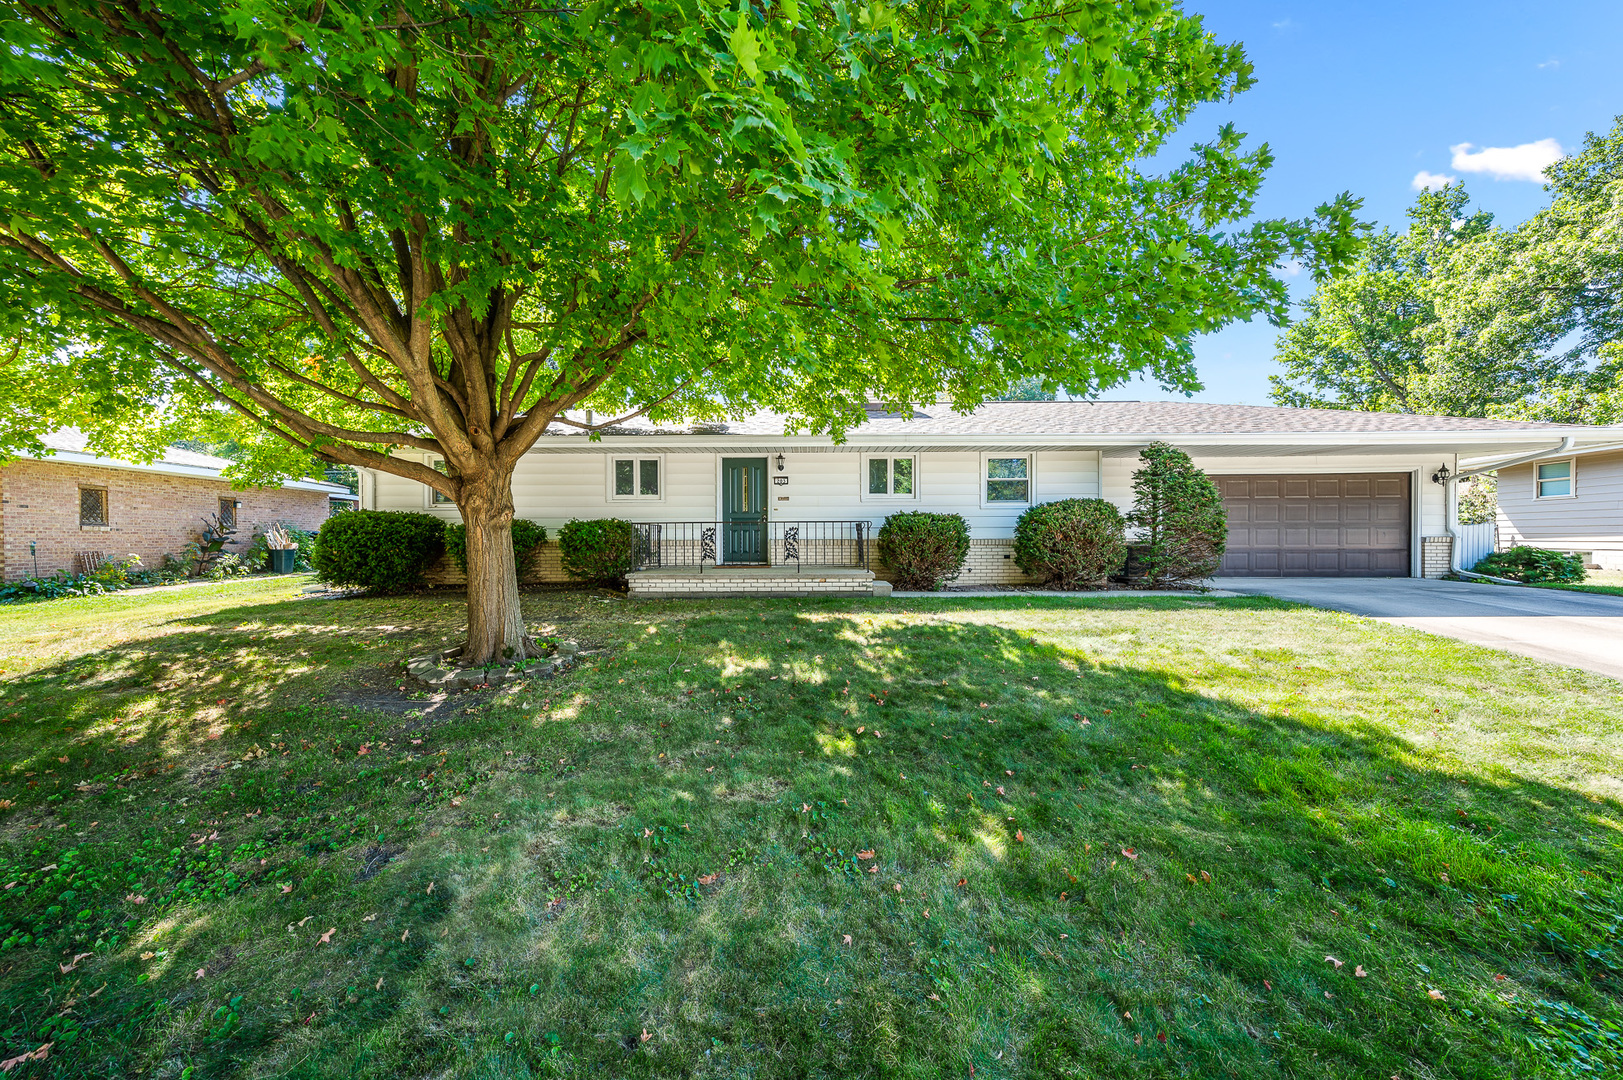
{"type": "Point", "coordinates": [76, 501]}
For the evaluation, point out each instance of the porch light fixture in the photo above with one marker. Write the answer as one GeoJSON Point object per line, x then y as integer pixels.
{"type": "Point", "coordinates": [780, 462]}
{"type": "Point", "coordinates": [1441, 475]}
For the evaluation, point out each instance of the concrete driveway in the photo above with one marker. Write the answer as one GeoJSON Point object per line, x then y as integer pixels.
{"type": "Point", "coordinates": [1583, 630]}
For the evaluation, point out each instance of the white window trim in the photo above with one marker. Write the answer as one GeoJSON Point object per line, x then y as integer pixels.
{"type": "Point", "coordinates": [1031, 482]}
{"type": "Point", "coordinates": [870, 496]}
{"type": "Point", "coordinates": [1571, 478]}
{"type": "Point", "coordinates": [608, 477]}
{"type": "Point", "coordinates": [431, 498]}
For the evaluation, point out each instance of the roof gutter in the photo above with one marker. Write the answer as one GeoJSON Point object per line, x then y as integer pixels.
{"type": "Point", "coordinates": [1451, 503]}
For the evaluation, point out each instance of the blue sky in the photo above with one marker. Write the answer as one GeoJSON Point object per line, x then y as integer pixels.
{"type": "Point", "coordinates": [1364, 96]}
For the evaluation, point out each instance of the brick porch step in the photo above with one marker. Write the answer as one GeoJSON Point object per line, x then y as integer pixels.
{"type": "Point", "coordinates": [755, 581]}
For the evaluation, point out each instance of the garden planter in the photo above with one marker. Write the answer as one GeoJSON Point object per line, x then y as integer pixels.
{"type": "Point", "coordinates": [282, 560]}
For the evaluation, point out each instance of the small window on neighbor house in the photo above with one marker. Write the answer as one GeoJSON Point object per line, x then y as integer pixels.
{"type": "Point", "coordinates": [228, 513]}
{"type": "Point", "coordinates": [1554, 479]}
{"type": "Point", "coordinates": [439, 498]}
{"type": "Point", "coordinates": [890, 476]}
{"type": "Point", "coordinates": [636, 478]}
{"type": "Point", "coordinates": [1008, 479]}
{"type": "Point", "coordinates": [92, 506]}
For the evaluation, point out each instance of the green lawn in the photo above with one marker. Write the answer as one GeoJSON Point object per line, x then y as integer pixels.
{"type": "Point", "coordinates": [1108, 837]}
{"type": "Point", "coordinates": [1609, 582]}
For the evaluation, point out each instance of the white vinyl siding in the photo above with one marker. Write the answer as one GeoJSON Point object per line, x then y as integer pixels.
{"type": "Point", "coordinates": [1591, 520]}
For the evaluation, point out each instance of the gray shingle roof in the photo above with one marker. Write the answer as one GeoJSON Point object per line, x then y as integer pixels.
{"type": "Point", "coordinates": [1027, 418]}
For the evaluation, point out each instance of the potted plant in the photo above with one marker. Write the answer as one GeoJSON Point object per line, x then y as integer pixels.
{"type": "Point", "coordinates": [282, 550]}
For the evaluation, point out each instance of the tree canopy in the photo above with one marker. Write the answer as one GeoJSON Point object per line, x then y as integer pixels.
{"type": "Point", "coordinates": [1457, 316]}
{"type": "Point", "coordinates": [439, 228]}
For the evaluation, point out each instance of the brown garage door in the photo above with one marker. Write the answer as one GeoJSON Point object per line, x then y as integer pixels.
{"type": "Point", "coordinates": [1348, 525]}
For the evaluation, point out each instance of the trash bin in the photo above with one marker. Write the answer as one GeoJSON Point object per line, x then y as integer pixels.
{"type": "Point", "coordinates": [282, 560]}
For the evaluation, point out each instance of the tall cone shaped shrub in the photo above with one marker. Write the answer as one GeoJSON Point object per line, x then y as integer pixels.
{"type": "Point", "coordinates": [1178, 513]}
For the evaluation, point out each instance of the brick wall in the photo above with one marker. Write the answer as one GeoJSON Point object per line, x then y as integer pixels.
{"type": "Point", "coordinates": [543, 568]}
{"type": "Point", "coordinates": [990, 562]}
{"type": "Point", "coordinates": [149, 514]}
{"type": "Point", "coordinates": [1435, 552]}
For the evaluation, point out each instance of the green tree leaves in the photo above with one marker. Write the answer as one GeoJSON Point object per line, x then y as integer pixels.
{"type": "Point", "coordinates": [383, 232]}
{"type": "Point", "coordinates": [1457, 317]}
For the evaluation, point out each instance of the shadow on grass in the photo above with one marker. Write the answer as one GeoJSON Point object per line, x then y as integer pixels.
{"type": "Point", "coordinates": [1081, 868]}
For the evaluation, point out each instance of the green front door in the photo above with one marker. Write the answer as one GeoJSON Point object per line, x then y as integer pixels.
{"type": "Point", "coordinates": [743, 510]}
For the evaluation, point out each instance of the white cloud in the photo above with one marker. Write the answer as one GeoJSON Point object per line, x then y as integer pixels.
{"type": "Point", "coordinates": [1430, 181]}
{"type": "Point", "coordinates": [1553, 62]}
{"type": "Point", "coordinates": [1525, 162]}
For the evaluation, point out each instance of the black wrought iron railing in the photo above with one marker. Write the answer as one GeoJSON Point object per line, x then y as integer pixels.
{"type": "Point", "coordinates": [665, 545]}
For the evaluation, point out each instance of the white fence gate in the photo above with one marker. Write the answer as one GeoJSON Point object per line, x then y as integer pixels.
{"type": "Point", "coordinates": [1475, 542]}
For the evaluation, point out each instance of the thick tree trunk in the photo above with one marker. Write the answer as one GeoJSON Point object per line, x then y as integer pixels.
{"type": "Point", "coordinates": [495, 625]}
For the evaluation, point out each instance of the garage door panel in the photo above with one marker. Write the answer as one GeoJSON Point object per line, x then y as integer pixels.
{"type": "Point", "coordinates": [1392, 487]}
{"type": "Point", "coordinates": [1333, 525]}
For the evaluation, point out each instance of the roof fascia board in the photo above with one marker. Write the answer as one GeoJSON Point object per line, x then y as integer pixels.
{"type": "Point", "coordinates": [1088, 440]}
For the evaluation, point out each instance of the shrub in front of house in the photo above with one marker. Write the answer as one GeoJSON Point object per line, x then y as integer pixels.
{"type": "Point", "coordinates": [1535, 566]}
{"type": "Point", "coordinates": [600, 550]}
{"type": "Point", "coordinates": [923, 549]}
{"type": "Point", "coordinates": [527, 537]}
{"type": "Point", "coordinates": [385, 550]}
{"type": "Point", "coordinates": [1072, 543]}
{"type": "Point", "coordinates": [1178, 515]}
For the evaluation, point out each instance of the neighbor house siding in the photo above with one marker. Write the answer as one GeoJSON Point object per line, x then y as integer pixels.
{"type": "Point", "coordinates": [149, 514]}
{"type": "Point", "coordinates": [1590, 522]}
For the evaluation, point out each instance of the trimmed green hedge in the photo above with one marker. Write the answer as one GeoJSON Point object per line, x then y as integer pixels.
{"type": "Point", "coordinates": [1072, 543]}
{"type": "Point", "coordinates": [602, 550]}
{"type": "Point", "coordinates": [527, 536]}
{"type": "Point", "coordinates": [384, 550]}
{"type": "Point", "coordinates": [923, 549]}
{"type": "Point", "coordinates": [1533, 565]}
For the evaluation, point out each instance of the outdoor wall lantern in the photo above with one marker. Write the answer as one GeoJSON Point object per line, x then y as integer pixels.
{"type": "Point", "coordinates": [1441, 475]}
{"type": "Point", "coordinates": [780, 462]}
